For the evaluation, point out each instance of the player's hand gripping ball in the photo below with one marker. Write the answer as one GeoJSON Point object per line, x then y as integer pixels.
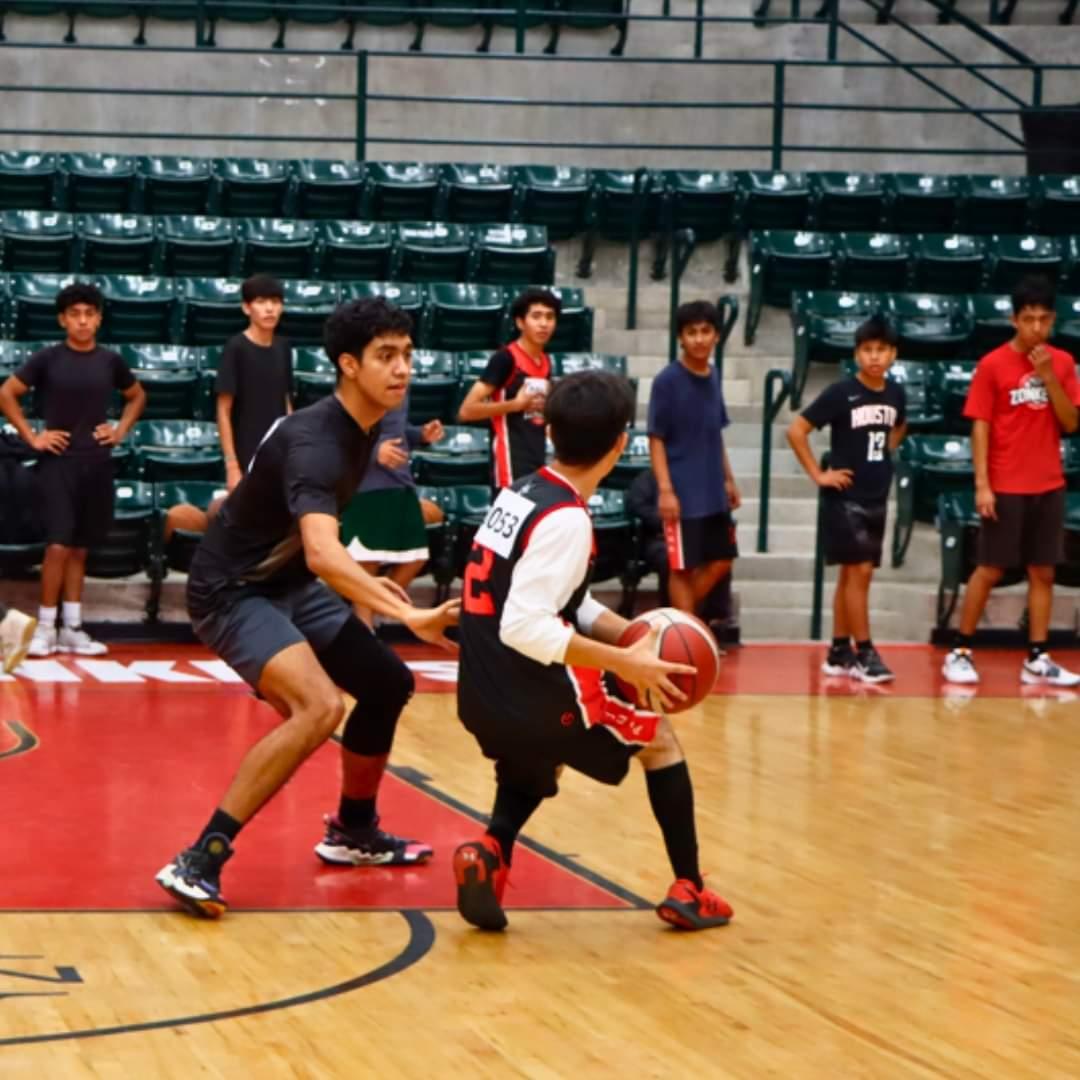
{"type": "Point", "coordinates": [681, 639]}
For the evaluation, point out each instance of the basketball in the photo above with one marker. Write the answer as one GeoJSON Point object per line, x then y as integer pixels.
{"type": "Point", "coordinates": [682, 639]}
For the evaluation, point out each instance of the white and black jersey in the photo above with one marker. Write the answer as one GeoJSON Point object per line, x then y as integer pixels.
{"type": "Point", "coordinates": [860, 421]}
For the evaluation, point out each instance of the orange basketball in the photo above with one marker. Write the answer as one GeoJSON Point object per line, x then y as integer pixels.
{"type": "Point", "coordinates": [682, 639]}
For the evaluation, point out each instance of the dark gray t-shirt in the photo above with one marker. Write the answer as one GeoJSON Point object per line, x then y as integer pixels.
{"type": "Point", "coordinates": [74, 389]}
{"type": "Point", "coordinates": [310, 463]}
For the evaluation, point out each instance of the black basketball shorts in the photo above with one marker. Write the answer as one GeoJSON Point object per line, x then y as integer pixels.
{"type": "Point", "coordinates": [852, 532]}
{"type": "Point", "coordinates": [76, 498]}
{"type": "Point", "coordinates": [694, 542]}
{"type": "Point", "coordinates": [1029, 531]}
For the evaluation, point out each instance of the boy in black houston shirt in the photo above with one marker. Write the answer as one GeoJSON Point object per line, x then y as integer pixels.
{"type": "Point", "coordinates": [254, 599]}
{"type": "Point", "coordinates": [75, 381]}
{"type": "Point", "coordinates": [866, 417]}
{"type": "Point", "coordinates": [511, 391]}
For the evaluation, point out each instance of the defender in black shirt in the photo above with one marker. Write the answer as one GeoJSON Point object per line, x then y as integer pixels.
{"type": "Point", "coordinates": [254, 598]}
{"type": "Point", "coordinates": [534, 650]}
{"type": "Point", "coordinates": [866, 416]}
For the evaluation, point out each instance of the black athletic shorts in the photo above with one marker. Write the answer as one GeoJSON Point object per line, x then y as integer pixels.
{"type": "Point", "coordinates": [529, 760]}
{"type": "Point", "coordinates": [852, 532]}
{"type": "Point", "coordinates": [696, 541]}
{"type": "Point", "coordinates": [1029, 531]}
{"type": "Point", "coordinates": [76, 499]}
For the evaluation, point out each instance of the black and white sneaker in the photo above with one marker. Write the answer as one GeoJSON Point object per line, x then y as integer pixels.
{"type": "Point", "coordinates": [839, 661]}
{"type": "Point", "coordinates": [870, 668]}
{"type": "Point", "coordinates": [368, 846]}
{"type": "Point", "coordinates": [194, 877]}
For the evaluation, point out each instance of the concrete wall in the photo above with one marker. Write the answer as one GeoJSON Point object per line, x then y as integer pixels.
{"type": "Point", "coordinates": [325, 125]}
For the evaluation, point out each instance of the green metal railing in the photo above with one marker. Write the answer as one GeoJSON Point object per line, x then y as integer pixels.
{"type": "Point", "coordinates": [777, 393]}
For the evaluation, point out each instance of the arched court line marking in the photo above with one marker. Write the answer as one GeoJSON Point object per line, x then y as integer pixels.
{"type": "Point", "coordinates": [421, 939]}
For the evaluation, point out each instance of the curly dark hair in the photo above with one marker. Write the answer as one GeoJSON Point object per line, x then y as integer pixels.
{"type": "Point", "coordinates": [695, 311]}
{"type": "Point", "coordinates": [356, 323]}
{"type": "Point", "coordinates": [523, 301]}
{"type": "Point", "coordinates": [79, 292]}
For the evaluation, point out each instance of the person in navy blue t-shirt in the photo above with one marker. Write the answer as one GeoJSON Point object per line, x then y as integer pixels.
{"type": "Point", "coordinates": [686, 443]}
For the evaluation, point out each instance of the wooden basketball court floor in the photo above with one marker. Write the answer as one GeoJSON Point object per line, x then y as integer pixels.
{"type": "Point", "coordinates": [904, 864]}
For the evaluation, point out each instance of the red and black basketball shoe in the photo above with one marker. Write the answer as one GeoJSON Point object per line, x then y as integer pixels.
{"type": "Point", "coordinates": [690, 908]}
{"type": "Point", "coordinates": [368, 845]}
{"type": "Point", "coordinates": [481, 872]}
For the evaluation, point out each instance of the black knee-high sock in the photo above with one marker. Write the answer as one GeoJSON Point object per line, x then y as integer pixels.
{"type": "Point", "coordinates": [512, 809]}
{"type": "Point", "coordinates": [671, 796]}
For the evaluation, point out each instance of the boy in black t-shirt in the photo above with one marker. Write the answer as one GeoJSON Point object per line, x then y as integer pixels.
{"type": "Point", "coordinates": [512, 390]}
{"type": "Point", "coordinates": [75, 381]}
{"type": "Point", "coordinates": [254, 382]}
{"type": "Point", "coordinates": [866, 415]}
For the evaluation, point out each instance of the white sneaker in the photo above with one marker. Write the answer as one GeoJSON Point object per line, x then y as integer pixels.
{"type": "Point", "coordinates": [16, 634]}
{"type": "Point", "coordinates": [44, 641]}
{"type": "Point", "coordinates": [1043, 670]}
{"type": "Point", "coordinates": [75, 639]}
{"type": "Point", "coordinates": [959, 667]}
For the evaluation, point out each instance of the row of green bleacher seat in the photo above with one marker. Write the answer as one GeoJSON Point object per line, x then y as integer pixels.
{"type": "Point", "coordinates": [56, 242]}
{"type": "Point", "coordinates": [488, 14]}
{"type": "Point", "coordinates": [784, 261]}
{"type": "Point", "coordinates": [932, 326]}
{"type": "Point", "coordinates": [206, 311]}
{"type": "Point", "coordinates": [567, 199]}
{"type": "Point", "coordinates": [179, 380]}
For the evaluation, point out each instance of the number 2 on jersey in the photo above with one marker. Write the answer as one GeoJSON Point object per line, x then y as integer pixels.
{"type": "Point", "coordinates": [875, 445]}
{"type": "Point", "coordinates": [476, 592]}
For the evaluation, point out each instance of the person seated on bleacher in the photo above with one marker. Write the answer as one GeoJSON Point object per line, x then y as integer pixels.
{"type": "Point", "coordinates": [385, 524]}
{"type": "Point", "coordinates": [75, 381]}
{"type": "Point", "coordinates": [254, 383]}
{"type": "Point", "coordinates": [513, 388]}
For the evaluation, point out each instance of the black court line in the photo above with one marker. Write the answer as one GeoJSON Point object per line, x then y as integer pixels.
{"type": "Point", "coordinates": [26, 739]}
{"type": "Point", "coordinates": [566, 862]}
{"type": "Point", "coordinates": [421, 939]}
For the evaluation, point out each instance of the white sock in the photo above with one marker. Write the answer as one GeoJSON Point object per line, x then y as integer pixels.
{"type": "Point", "coordinates": [46, 617]}
{"type": "Point", "coordinates": [72, 614]}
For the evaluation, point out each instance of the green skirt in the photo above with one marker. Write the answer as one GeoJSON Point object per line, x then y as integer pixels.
{"type": "Point", "coordinates": [385, 526]}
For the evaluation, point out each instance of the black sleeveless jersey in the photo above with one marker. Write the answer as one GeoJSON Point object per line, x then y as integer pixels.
{"type": "Point", "coordinates": [495, 680]}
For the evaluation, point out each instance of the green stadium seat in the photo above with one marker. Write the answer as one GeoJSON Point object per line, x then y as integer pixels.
{"type": "Point", "coordinates": [178, 450]}
{"type": "Point", "coordinates": [196, 246]}
{"type": "Point", "coordinates": [355, 250]}
{"type": "Point", "coordinates": [319, 13]}
{"type": "Point", "coordinates": [555, 196]}
{"type": "Point", "coordinates": [181, 547]}
{"type": "Point", "coordinates": [308, 304]}
{"type": "Point", "coordinates": [243, 11]}
{"type": "Point", "coordinates": [470, 366]}
{"type": "Point", "coordinates": [570, 362]}
{"type": "Point", "coordinates": [781, 262]}
{"type": "Point", "coordinates": [615, 535]}
{"type": "Point", "coordinates": [931, 325]}
{"type": "Point", "coordinates": [433, 388]}
{"type": "Point", "coordinates": [314, 375]}
{"type": "Point", "coordinates": [400, 191]}
{"type": "Point", "coordinates": [697, 199]}
{"type": "Point", "coordinates": [927, 466]}
{"type": "Point", "coordinates": [175, 184]}
{"type": "Point", "coordinates": [948, 262]}
{"type": "Point", "coordinates": [138, 308]}
{"type": "Point", "coordinates": [475, 194]}
{"type": "Point", "coordinates": [633, 460]}
{"type": "Point", "coordinates": [462, 456]}
{"type": "Point", "coordinates": [921, 387]}
{"type": "Point", "coordinates": [37, 241]}
{"type": "Point", "coordinates": [1012, 257]}
{"type": "Point", "coordinates": [210, 308]}
{"type": "Point", "coordinates": [574, 331]}
{"type": "Point", "coordinates": [512, 255]}
{"type": "Point", "coordinates": [33, 305]}
{"type": "Point", "coordinates": [279, 246]}
{"type": "Point", "coordinates": [98, 183]}
{"type": "Point", "coordinates": [328, 189]}
{"type": "Point", "coordinates": [1055, 209]}
{"type": "Point", "coordinates": [992, 314]}
{"type": "Point", "coordinates": [952, 381]}
{"type": "Point", "coordinates": [994, 204]}
{"type": "Point", "coordinates": [251, 187]}
{"type": "Point", "coordinates": [431, 251]}
{"type": "Point", "coordinates": [613, 209]}
{"type": "Point", "coordinates": [126, 549]}
{"type": "Point", "coordinates": [461, 316]}
{"type": "Point", "coordinates": [169, 375]}
{"type": "Point", "coordinates": [408, 296]}
{"type": "Point", "coordinates": [28, 180]}
{"type": "Point", "coordinates": [852, 201]}
{"type": "Point", "coordinates": [116, 243]}
{"type": "Point", "coordinates": [922, 203]}
{"type": "Point", "coordinates": [209, 362]}
{"type": "Point", "coordinates": [774, 200]}
{"type": "Point", "coordinates": [824, 324]}
{"type": "Point", "coordinates": [1069, 278]}
{"type": "Point", "coordinates": [871, 261]}
{"type": "Point", "coordinates": [1067, 324]}
{"type": "Point", "coordinates": [592, 15]}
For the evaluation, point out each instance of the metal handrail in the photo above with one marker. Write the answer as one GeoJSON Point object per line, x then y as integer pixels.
{"type": "Point", "coordinates": [774, 402]}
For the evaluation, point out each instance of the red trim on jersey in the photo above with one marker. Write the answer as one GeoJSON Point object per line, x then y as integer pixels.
{"type": "Point", "coordinates": [674, 544]}
{"type": "Point", "coordinates": [500, 445]}
{"type": "Point", "coordinates": [553, 477]}
{"type": "Point", "coordinates": [530, 368]}
{"type": "Point", "coordinates": [631, 726]}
